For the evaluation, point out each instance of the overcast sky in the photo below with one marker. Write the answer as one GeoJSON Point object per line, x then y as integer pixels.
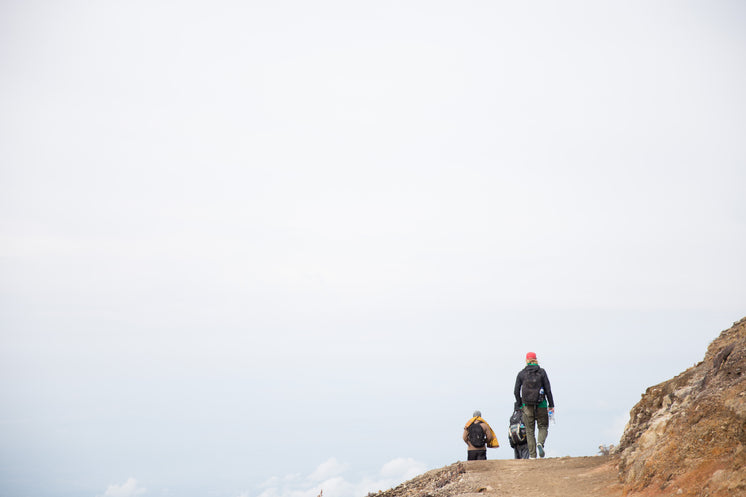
{"type": "Point", "coordinates": [257, 249]}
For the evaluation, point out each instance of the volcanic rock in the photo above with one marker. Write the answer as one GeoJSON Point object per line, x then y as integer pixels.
{"type": "Point", "coordinates": [686, 436]}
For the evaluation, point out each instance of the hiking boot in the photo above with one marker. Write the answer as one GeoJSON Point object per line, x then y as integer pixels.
{"type": "Point", "coordinates": [540, 450]}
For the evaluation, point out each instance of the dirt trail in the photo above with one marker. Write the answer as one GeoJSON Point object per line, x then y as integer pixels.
{"type": "Point", "coordinates": [554, 477]}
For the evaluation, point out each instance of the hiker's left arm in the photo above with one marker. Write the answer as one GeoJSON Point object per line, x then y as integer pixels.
{"type": "Point", "coordinates": [548, 390]}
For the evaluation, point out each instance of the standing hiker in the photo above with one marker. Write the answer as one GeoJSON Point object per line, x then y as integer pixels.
{"type": "Point", "coordinates": [478, 436]}
{"type": "Point", "coordinates": [533, 393]}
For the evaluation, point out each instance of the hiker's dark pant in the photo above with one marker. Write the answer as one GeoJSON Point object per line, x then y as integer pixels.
{"type": "Point", "coordinates": [476, 455]}
{"type": "Point", "coordinates": [521, 451]}
{"type": "Point", "coordinates": [533, 416]}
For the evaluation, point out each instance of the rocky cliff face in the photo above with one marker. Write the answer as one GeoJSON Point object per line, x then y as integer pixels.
{"type": "Point", "coordinates": [686, 436]}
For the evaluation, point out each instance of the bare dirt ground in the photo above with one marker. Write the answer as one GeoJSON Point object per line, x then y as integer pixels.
{"type": "Point", "coordinates": [552, 477]}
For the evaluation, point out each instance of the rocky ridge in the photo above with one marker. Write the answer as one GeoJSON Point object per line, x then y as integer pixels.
{"type": "Point", "coordinates": [442, 482]}
{"type": "Point", "coordinates": [686, 436]}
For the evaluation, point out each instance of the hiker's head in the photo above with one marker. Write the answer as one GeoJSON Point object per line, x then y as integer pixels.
{"type": "Point", "coordinates": [531, 358]}
{"type": "Point", "coordinates": [477, 414]}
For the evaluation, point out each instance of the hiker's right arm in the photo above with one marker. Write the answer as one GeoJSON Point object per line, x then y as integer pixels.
{"type": "Point", "coordinates": [517, 391]}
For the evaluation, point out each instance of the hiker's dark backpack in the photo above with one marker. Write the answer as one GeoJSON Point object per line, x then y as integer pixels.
{"type": "Point", "coordinates": [477, 436]}
{"type": "Point", "coordinates": [517, 430]}
{"type": "Point", "coordinates": [531, 389]}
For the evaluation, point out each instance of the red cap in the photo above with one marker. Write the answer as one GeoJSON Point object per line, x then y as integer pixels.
{"type": "Point", "coordinates": [531, 356]}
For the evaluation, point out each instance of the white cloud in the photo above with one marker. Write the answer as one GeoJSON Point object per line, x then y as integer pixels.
{"type": "Point", "coordinates": [328, 469]}
{"type": "Point", "coordinates": [402, 468]}
{"type": "Point", "coordinates": [329, 477]}
{"type": "Point", "coordinates": [127, 489]}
